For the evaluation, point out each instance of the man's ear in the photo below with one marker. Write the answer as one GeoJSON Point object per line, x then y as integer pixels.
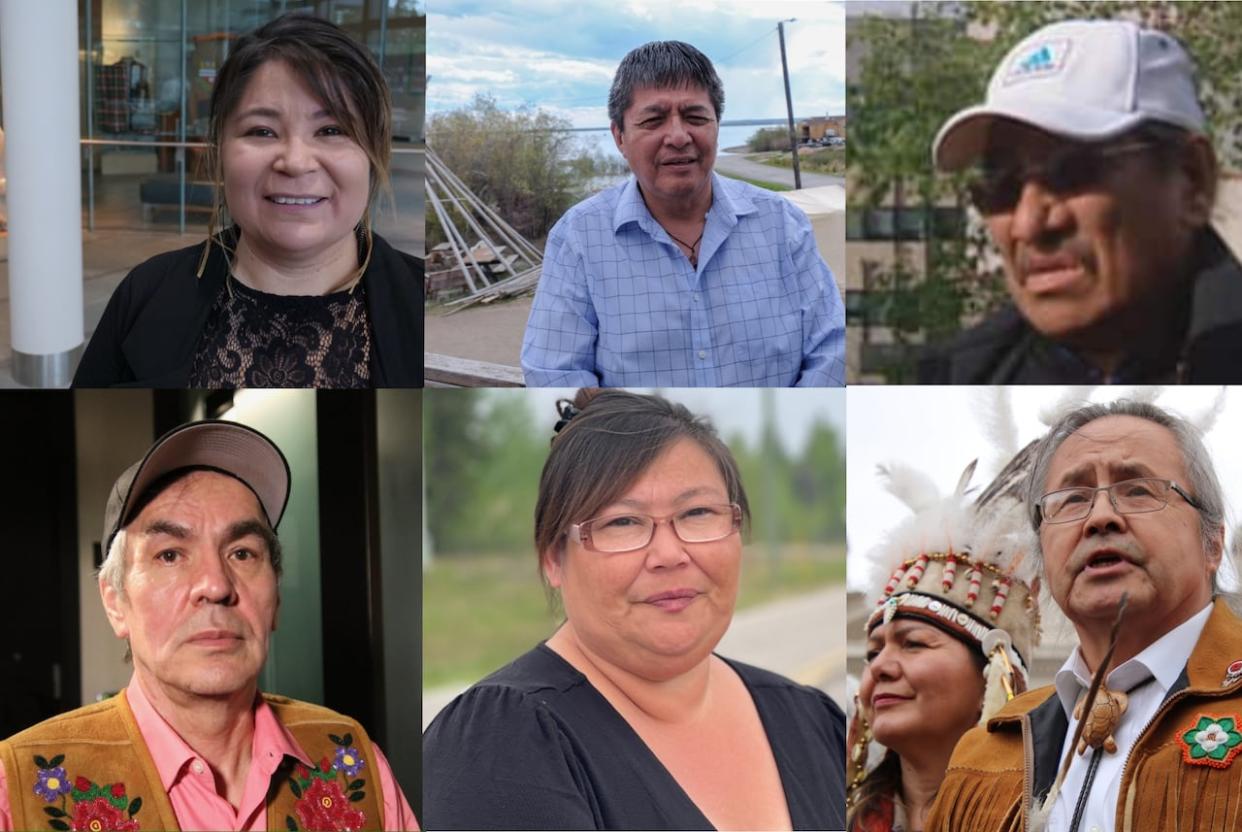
{"type": "Point", "coordinates": [115, 608]}
{"type": "Point", "coordinates": [1215, 550]}
{"type": "Point", "coordinates": [550, 561]}
{"type": "Point", "coordinates": [1199, 169]}
{"type": "Point", "coordinates": [619, 138]}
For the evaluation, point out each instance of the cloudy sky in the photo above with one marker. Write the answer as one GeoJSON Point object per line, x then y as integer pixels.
{"type": "Point", "coordinates": [941, 429]}
{"type": "Point", "coordinates": [561, 55]}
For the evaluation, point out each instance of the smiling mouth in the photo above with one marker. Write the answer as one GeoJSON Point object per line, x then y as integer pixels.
{"type": "Point", "coordinates": [673, 601]}
{"type": "Point", "coordinates": [296, 200]}
{"type": "Point", "coordinates": [678, 163]}
{"type": "Point", "coordinates": [886, 700]}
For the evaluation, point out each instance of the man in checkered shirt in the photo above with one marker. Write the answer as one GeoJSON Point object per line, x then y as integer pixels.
{"type": "Point", "coordinates": [681, 277]}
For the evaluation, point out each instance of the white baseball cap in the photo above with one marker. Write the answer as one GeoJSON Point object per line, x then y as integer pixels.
{"type": "Point", "coordinates": [1081, 79]}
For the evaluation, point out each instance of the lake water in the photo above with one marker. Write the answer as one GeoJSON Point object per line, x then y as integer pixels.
{"type": "Point", "coordinates": [731, 135]}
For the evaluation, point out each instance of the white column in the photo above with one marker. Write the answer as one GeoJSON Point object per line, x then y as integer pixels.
{"type": "Point", "coordinates": [39, 61]}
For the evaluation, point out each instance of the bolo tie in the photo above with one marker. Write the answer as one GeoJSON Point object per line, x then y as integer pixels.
{"type": "Point", "coordinates": [1098, 714]}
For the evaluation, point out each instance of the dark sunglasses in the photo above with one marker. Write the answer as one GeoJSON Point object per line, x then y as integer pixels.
{"type": "Point", "coordinates": [997, 187]}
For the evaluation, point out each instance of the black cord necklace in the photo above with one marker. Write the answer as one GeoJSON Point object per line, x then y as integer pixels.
{"type": "Point", "coordinates": [694, 248]}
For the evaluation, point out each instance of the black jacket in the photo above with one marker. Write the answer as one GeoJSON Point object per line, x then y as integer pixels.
{"type": "Point", "coordinates": [152, 324]}
{"type": "Point", "coordinates": [1005, 349]}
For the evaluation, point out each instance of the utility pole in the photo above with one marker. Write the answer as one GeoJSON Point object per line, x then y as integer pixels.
{"type": "Point", "coordinates": [793, 140]}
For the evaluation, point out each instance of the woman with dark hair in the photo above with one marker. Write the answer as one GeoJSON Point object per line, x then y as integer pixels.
{"type": "Point", "coordinates": [948, 642]}
{"type": "Point", "coordinates": [295, 289]}
{"type": "Point", "coordinates": [625, 718]}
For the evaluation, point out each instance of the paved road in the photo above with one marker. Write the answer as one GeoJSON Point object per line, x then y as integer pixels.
{"type": "Point", "coordinates": [802, 638]}
{"type": "Point", "coordinates": [734, 165]}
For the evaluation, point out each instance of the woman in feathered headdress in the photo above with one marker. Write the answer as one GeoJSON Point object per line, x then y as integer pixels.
{"type": "Point", "coordinates": [948, 643]}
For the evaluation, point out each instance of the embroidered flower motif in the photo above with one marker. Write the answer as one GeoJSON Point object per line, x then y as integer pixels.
{"type": "Point", "coordinates": [1212, 741]}
{"type": "Point", "coordinates": [324, 807]}
{"type": "Point", "coordinates": [349, 761]}
{"type": "Point", "coordinates": [1211, 737]}
{"type": "Point", "coordinates": [99, 815]}
{"type": "Point", "coordinates": [53, 782]}
{"type": "Point", "coordinates": [96, 808]}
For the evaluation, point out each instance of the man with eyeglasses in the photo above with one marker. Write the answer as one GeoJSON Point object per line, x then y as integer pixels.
{"type": "Point", "coordinates": [1090, 165]}
{"type": "Point", "coordinates": [1125, 503]}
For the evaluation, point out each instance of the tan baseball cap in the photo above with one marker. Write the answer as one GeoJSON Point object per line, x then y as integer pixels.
{"type": "Point", "coordinates": [228, 447]}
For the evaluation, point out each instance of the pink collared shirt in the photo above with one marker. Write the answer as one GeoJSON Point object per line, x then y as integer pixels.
{"type": "Point", "coordinates": [191, 786]}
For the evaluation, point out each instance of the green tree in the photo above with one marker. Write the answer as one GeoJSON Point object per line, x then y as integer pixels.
{"type": "Point", "coordinates": [450, 444]}
{"type": "Point", "coordinates": [769, 138]}
{"type": "Point", "coordinates": [510, 455]}
{"type": "Point", "coordinates": [524, 163]}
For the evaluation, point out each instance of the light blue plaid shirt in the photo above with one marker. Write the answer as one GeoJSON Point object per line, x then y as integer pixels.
{"type": "Point", "coordinates": [619, 305]}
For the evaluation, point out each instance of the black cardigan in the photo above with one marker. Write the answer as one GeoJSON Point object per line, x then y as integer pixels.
{"type": "Point", "coordinates": [152, 324]}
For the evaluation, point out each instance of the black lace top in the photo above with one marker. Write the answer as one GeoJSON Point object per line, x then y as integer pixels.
{"type": "Point", "coordinates": [254, 339]}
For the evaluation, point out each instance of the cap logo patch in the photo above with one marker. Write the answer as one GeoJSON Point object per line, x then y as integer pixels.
{"type": "Point", "coordinates": [1038, 61]}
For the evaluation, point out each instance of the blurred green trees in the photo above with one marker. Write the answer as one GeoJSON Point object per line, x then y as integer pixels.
{"type": "Point", "coordinates": [484, 454]}
{"type": "Point", "coordinates": [525, 163]}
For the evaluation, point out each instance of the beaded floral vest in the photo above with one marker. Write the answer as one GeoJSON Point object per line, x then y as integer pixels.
{"type": "Point", "coordinates": [89, 769]}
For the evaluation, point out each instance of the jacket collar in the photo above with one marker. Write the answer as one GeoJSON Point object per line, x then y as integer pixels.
{"type": "Point", "coordinates": [1219, 645]}
{"type": "Point", "coordinates": [391, 295]}
{"type": "Point", "coordinates": [159, 347]}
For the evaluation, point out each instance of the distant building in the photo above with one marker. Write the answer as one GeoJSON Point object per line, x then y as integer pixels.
{"type": "Point", "coordinates": [817, 127]}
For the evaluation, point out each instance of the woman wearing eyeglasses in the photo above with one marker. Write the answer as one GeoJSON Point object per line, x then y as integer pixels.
{"type": "Point", "coordinates": [625, 718]}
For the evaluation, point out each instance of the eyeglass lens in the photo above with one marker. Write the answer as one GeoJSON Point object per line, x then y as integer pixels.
{"type": "Point", "coordinates": [1068, 170]}
{"type": "Point", "coordinates": [698, 524]}
{"type": "Point", "coordinates": [1129, 497]}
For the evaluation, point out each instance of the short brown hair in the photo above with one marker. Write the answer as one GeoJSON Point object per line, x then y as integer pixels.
{"type": "Point", "coordinates": [608, 440]}
{"type": "Point", "coordinates": [340, 73]}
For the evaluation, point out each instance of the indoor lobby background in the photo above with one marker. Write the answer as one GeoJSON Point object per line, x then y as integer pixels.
{"type": "Point", "coordinates": [350, 624]}
{"type": "Point", "coordinates": [144, 76]}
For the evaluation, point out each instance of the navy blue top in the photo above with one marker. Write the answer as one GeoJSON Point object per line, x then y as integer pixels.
{"type": "Point", "coordinates": [536, 746]}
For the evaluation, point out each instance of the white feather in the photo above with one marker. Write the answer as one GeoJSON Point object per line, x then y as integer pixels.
{"type": "Point", "coordinates": [995, 409]}
{"type": "Point", "coordinates": [910, 485]}
{"type": "Point", "coordinates": [1070, 398]}
{"type": "Point", "coordinates": [1206, 420]}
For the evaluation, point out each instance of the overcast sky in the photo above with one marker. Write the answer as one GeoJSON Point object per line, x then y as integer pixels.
{"type": "Point", "coordinates": [561, 54]}
{"type": "Point", "coordinates": [939, 431]}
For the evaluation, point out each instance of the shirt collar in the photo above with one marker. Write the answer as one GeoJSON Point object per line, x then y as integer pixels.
{"type": "Point", "coordinates": [172, 754]}
{"type": "Point", "coordinates": [726, 206]}
{"type": "Point", "coordinates": [1163, 659]}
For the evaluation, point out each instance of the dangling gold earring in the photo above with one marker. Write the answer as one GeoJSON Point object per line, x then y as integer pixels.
{"type": "Point", "coordinates": [859, 743]}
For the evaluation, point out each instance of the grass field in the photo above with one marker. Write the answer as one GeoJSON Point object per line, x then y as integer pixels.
{"type": "Point", "coordinates": [481, 612]}
{"type": "Point", "coordinates": [758, 183]}
{"type": "Point", "coordinates": [829, 160]}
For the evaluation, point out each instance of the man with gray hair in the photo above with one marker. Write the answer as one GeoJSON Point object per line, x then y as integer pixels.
{"type": "Point", "coordinates": [680, 277]}
{"type": "Point", "coordinates": [1126, 504]}
{"type": "Point", "coordinates": [191, 582]}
